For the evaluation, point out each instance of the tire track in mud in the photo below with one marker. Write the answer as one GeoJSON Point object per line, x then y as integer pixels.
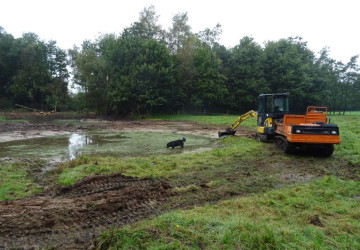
{"type": "Point", "coordinates": [71, 217]}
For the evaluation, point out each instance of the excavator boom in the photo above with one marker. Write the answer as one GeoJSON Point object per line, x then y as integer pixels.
{"type": "Point", "coordinates": [231, 130]}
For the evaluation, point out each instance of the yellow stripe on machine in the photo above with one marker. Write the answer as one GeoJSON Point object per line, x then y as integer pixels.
{"type": "Point", "coordinates": [261, 130]}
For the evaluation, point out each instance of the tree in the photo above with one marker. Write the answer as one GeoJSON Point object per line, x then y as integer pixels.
{"type": "Point", "coordinates": [246, 75]}
{"type": "Point", "coordinates": [31, 70]}
{"type": "Point", "coordinates": [29, 83]}
{"type": "Point", "coordinates": [198, 72]}
{"type": "Point", "coordinates": [147, 27]}
{"type": "Point", "coordinates": [141, 76]}
{"type": "Point", "coordinates": [57, 87]}
{"type": "Point", "coordinates": [208, 83]}
{"type": "Point", "coordinates": [325, 78]}
{"type": "Point", "coordinates": [288, 67]}
{"type": "Point", "coordinates": [354, 100]}
{"type": "Point", "coordinates": [179, 33]}
{"type": "Point", "coordinates": [185, 71]}
{"type": "Point", "coordinates": [9, 54]}
{"type": "Point", "coordinates": [338, 81]}
{"type": "Point", "coordinates": [210, 36]}
{"type": "Point", "coordinates": [90, 75]}
{"type": "Point", "coordinates": [348, 78]}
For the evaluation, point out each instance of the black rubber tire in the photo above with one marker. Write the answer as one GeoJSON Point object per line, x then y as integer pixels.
{"type": "Point", "coordinates": [282, 143]}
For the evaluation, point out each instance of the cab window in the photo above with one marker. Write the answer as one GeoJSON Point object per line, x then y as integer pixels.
{"type": "Point", "coordinates": [269, 104]}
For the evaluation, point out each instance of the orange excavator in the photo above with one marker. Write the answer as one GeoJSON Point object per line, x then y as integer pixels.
{"type": "Point", "coordinates": [290, 132]}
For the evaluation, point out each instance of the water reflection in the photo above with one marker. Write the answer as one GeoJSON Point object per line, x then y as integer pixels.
{"type": "Point", "coordinates": [76, 143]}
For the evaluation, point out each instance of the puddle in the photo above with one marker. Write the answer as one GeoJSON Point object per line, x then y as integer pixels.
{"type": "Point", "coordinates": [124, 144]}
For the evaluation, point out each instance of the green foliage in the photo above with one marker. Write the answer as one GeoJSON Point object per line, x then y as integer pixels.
{"type": "Point", "coordinates": [322, 214]}
{"type": "Point", "coordinates": [208, 87]}
{"type": "Point", "coordinates": [8, 63]}
{"type": "Point", "coordinates": [288, 68]}
{"type": "Point", "coordinates": [246, 75]}
{"type": "Point", "coordinates": [145, 80]}
{"type": "Point", "coordinates": [32, 72]}
{"type": "Point", "coordinates": [179, 34]}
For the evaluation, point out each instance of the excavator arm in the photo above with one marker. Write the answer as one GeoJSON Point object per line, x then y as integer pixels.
{"type": "Point", "coordinates": [231, 130]}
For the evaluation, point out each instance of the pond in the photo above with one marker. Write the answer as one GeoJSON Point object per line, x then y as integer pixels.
{"type": "Point", "coordinates": [120, 144]}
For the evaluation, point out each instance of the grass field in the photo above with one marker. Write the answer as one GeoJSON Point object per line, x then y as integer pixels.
{"type": "Point", "coordinates": [15, 181]}
{"type": "Point", "coordinates": [321, 214]}
{"type": "Point", "coordinates": [256, 197]}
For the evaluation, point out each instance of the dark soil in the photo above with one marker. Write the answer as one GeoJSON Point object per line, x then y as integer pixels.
{"type": "Point", "coordinates": [71, 217]}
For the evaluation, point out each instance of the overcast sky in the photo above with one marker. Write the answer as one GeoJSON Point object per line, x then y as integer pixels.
{"type": "Point", "coordinates": [322, 23]}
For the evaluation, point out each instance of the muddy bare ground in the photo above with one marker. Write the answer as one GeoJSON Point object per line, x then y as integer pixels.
{"type": "Point", "coordinates": [37, 125]}
{"type": "Point", "coordinates": [71, 217]}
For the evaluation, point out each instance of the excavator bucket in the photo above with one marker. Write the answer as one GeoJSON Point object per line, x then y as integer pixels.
{"type": "Point", "coordinates": [228, 132]}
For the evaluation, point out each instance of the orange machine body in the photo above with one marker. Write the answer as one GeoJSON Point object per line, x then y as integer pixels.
{"type": "Point", "coordinates": [309, 128]}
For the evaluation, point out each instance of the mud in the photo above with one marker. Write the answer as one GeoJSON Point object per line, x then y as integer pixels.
{"type": "Point", "coordinates": [10, 131]}
{"type": "Point", "coordinates": [41, 126]}
{"type": "Point", "coordinates": [71, 217]}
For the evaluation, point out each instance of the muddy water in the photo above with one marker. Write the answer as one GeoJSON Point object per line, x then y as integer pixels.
{"type": "Point", "coordinates": [124, 144]}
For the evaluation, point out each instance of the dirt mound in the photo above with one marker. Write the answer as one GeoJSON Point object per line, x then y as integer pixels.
{"type": "Point", "coordinates": [71, 217]}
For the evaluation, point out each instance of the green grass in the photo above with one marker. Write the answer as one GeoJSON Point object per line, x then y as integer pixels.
{"type": "Point", "coordinates": [322, 214]}
{"type": "Point", "coordinates": [230, 152]}
{"type": "Point", "coordinates": [15, 181]}
{"type": "Point", "coordinates": [163, 166]}
{"type": "Point", "coordinates": [349, 125]}
{"type": "Point", "coordinates": [349, 113]}
{"type": "Point", "coordinates": [232, 156]}
{"type": "Point", "coordinates": [349, 148]}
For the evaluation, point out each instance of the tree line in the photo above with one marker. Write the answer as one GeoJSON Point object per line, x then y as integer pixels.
{"type": "Point", "coordinates": [32, 72]}
{"type": "Point", "coordinates": [147, 69]}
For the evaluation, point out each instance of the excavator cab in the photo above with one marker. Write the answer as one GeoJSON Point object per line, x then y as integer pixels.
{"type": "Point", "coordinates": [270, 107]}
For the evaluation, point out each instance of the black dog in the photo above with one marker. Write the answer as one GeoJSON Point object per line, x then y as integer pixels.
{"type": "Point", "coordinates": [176, 143]}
